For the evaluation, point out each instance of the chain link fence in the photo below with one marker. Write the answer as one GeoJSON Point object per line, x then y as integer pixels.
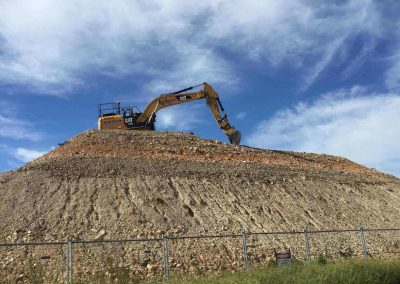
{"type": "Point", "coordinates": [82, 261]}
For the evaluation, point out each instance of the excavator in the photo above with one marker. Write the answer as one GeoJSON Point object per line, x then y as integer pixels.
{"type": "Point", "coordinates": [113, 116]}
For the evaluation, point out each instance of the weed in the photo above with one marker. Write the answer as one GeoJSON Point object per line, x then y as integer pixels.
{"type": "Point", "coordinates": [321, 259]}
{"type": "Point", "coordinates": [348, 271]}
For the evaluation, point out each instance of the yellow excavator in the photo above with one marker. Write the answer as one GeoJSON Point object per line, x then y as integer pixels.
{"type": "Point", "coordinates": [113, 116]}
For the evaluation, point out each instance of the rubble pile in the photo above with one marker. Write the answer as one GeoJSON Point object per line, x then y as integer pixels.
{"type": "Point", "coordinates": [116, 184]}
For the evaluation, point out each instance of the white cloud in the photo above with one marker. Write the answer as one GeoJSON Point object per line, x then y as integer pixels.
{"type": "Point", "coordinates": [303, 34]}
{"type": "Point", "coordinates": [194, 67]}
{"type": "Point", "coordinates": [27, 155]}
{"type": "Point", "coordinates": [16, 128]}
{"type": "Point", "coordinates": [52, 46]}
{"type": "Point", "coordinates": [393, 73]}
{"type": "Point", "coordinates": [241, 115]}
{"type": "Point", "coordinates": [348, 123]}
{"type": "Point", "coordinates": [181, 117]}
{"type": "Point", "coordinates": [14, 156]}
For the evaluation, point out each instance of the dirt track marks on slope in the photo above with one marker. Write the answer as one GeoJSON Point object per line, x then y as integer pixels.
{"type": "Point", "coordinates": [118, 185]}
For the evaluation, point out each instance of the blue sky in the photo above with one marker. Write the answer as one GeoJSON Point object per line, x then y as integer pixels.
{"type": "Point", "coordinates": [312, 76]}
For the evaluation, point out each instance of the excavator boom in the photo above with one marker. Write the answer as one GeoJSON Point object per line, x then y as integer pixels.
{"type": "Point", "coordinates": [134, 120]}
{"type": "Point", "coordinates": [183, 96]}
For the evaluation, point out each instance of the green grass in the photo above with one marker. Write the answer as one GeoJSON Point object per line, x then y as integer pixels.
{"type": "Point", "coordinates": [373, 271]}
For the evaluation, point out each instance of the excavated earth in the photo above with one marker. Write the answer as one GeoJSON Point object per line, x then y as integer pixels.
{"type": "Point", "coordinates": [139, 184]}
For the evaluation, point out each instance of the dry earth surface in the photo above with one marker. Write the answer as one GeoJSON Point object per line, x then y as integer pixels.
{"type": "Point", "coordinates": [120, 184]}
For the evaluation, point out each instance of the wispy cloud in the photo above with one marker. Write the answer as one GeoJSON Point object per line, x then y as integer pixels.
{"type": "Point", "coordinates": [241, 115]}
{"type": "Point", "coordinates": [26, 155]}
{"type": "Point", "coordinates": [53, 47]}
{"type": "Point", "coordinates": [302, 34]}
{"type": "Point", "coordinates": [17, 156]}
{"type": "Point", "coordinates": [349, 123]}
{"type": "Point", "coordinates": [44, 49]}
{"type": "Point", "coordinates": [393, 73]}
{"type": "Point", "coordinates": [14, 127]}
{"type": "Point", "coordinates": [182, 118]}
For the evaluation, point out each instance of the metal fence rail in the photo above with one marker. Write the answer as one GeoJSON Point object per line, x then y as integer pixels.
{"type": "Point", "coordinates": [164, 241]}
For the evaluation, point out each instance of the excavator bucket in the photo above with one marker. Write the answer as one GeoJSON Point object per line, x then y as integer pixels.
{"type": "Point", "coordinates": [235, 137]}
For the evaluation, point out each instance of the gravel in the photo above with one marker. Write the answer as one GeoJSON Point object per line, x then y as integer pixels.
{"type": "Point", "coordinates": [115, 184]}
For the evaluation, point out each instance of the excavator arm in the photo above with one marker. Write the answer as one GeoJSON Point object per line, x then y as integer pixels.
{"type": "Point", "coordinates": [183, 96]}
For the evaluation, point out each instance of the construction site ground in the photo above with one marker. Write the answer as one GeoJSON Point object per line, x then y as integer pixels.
{"type": "Point", "coordinates": [117, 184]}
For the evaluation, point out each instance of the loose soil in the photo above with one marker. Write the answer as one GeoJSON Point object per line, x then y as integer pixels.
{"type": "Point", "coordinates": [118, 184]}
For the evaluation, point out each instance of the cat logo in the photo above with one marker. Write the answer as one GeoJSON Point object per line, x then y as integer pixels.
{"type": "Point", "coordinates": [182, 98]}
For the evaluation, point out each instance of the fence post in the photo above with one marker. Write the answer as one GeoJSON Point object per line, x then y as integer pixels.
{"type": "Point", "coordinates": [165, 256]}
{"type": "Point", "coordinates": [307, 241]}
{"type": "Point", "coordinates": [363, 245]}
{"type": "Point", "coordinates": [244, 249]}
{"type": "Point", "coordinates": [69, 262]}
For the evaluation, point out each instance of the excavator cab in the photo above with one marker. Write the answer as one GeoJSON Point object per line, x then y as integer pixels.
{"type": "Point", "coordinates": [131, 115]}
{"type": "Point", "coordinates": [113, 116]}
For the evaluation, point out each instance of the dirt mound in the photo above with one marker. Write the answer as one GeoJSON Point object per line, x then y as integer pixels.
{"type": "Point", "coordinates": [138, 182]}
{"type": "Point", "coordinates": [130, 184]}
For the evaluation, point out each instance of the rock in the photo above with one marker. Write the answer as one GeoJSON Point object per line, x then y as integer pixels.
{"type": "Point", "coordinates": [145, 262]}
{"type": "Point", "coordinates": [151, 266]}
{"type": "Point", "coordinates": [101, 234]}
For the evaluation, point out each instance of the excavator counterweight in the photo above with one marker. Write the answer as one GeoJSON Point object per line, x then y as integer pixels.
{"type": "Point", "coordinates": [113, 116]}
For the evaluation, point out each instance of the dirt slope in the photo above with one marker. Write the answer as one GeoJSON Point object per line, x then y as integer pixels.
{"type": "Point", "coordinates": [126, 184]}
{"type": "Point", "coordinates": [143, 183]}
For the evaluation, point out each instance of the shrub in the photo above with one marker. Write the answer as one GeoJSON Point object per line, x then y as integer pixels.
{"type": "Point", "coordinates": [321, 259]}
